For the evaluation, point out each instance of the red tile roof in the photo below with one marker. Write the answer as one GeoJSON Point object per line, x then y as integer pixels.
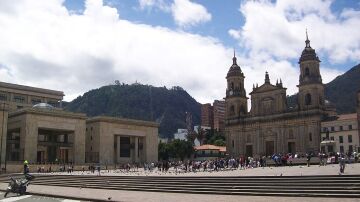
{"type": "Point", "coordinates": [210, 147]}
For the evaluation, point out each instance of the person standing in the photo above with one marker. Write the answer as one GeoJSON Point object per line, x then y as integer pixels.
{"type": "Point", "coordinates": [342, 163]}
{"type": "Point", "coordinates": [26, 167]}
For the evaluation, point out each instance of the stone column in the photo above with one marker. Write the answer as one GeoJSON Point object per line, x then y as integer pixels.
{"type": "Point", "coordinates": [3, 131]}
{"type": "Point", "coordinates": [136, 149]}
{"type": "Point", "coordinates": [117, 149]}
{"type": "Point", "coordinates": [79, 143]}
{"type": "Point", "coordinates": [31, 139]}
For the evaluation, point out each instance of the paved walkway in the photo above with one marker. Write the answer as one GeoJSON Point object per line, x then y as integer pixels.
{"type": "Point", "coordinates": [136, 196]}
{"type": "Point", "coordinates": [331, 169]}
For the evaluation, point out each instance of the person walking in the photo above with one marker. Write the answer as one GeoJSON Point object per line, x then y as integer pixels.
{"type": "Point", "coordinates": [342, 163]}
{"type": "Point", "coordinates": [26, 167]}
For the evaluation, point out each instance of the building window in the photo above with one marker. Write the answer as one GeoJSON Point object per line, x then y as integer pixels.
{"type": "Point", "coordinates": [232, 110]}
{"type": "Point", "coordinates": [350, 127]}
{"type": "Point", "coordinates": [91, 148]}
{"type": "Point", "coordinates": [332, 128]}
{"type": "Point", "coordinates": [233, 143]}
{"type": "Point", "coordinates": [332, 138]}
{"type": "Point", "coordinates": [341, 149]}
{"type": "Point", "coordinates": [19, 99]}
{"type": "Point", "coordinates": [341, 140]}
{"type": "Point", "coordinates": [90, 137]}
{"type": "Point", "coordinates": [350, 148]}
{"type": "Point", "coordinates": [341, 127]}
{"type": "Point", "coordinates": [307, 71]}
{"type": "Point", "coordinates": [125, 147]}
{"type": "Point", "coordinates": [308, 99]}
{"type": "Point", "coordinates": [3, 97]}
{"type": "Point", "coordinates": [310, 137]}
{"type": "Point", "coordinates": [291, 134]}
{"type": "Point", "coordinates": [350, 138]}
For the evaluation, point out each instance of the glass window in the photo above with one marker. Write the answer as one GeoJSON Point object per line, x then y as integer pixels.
{"type": "Point", "coordinates": [332, 138]}
{"type": "Point", "coordinates": [341, 127]}
{"type": "Point", "coordinates": [19, 99]}
{"type": "Point", "coordinates": [124, 146]}
{"type": "Point", "coordinates": [332, 128]}
{"type": "Point", "coordinates": [350, 148]}
{"type": "Point", "coordinates": [310, 137]}
{"type": "Point", "coordinates": [350, 138]}
{"type": "Point", "coordinates": [342, 149]}
{"type": "Point", "coordinates": [233, 144]}
{"type": "Point", "coordinates": [350, 127]}
{"type": "Point", "coordinates": [341, 139]}
{"type": "Point", "coordinates": [3, 97]}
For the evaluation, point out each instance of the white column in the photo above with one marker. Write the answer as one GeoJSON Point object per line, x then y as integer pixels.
{"type": "Point", "coordinates": [136, 148]}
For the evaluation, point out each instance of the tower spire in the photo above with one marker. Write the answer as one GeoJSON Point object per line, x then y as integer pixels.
{"type": "Point", "coordinates": [234, 58]}
{"type": "Point", "coordinates": [267, 79]}
{"type": "Point", "coordinates": [307, 42]}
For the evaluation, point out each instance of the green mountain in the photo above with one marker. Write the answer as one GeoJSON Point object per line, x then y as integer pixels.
{"type": "Point", "coordinates": [137, 101]}
{"type": "Point", "coordinates": [341, 91]}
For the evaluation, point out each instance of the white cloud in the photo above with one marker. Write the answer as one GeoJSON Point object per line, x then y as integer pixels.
{"type": "Point", "coordinates": [278, 29]}
{"type": "Point", "coordinates": [187, 13]}
{"type": "Point", "coordinates": [43, 44]}
{"type": "Point", "coordinates": [184, 12]}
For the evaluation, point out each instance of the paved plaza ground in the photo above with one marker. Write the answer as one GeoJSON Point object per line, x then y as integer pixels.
{"type": "Point", "coordinates": [137, 196]}
{"type": "Point", "coordinates": [330, 169]}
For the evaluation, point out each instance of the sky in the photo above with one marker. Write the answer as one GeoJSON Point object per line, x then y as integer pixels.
{"type": "Point", "coordinates": [78, 45]}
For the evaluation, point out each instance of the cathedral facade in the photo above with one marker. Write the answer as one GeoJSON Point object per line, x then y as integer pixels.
{"type": "Point", "coordinates": [271, 126]}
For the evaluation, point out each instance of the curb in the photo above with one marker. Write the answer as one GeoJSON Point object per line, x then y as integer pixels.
{"type": "Point", "coordinates": [64, 197]}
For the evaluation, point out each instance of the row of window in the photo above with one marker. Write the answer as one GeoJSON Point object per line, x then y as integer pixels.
{"type": "Point", "coordinates": [340, 128]}
{"type": "Point", "coordinates": [341, 139]}
{"type": "Point", "coordinates": [22, 99]}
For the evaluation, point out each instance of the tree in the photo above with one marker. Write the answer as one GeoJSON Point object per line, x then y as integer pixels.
{"type": "Point", "coordinates": [219, 142]}
{"type": "Point", "coordinates": [175, 149]}
{"type": "Point", "coordinates": [201, 134]}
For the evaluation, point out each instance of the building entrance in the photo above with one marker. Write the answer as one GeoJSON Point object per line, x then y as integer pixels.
{"type": "Point", "coordinates": [269, 148]}
{"type": "Point", "coordinates": [291, 147]}
{"type": "Point", "coordinates": [249, 150]}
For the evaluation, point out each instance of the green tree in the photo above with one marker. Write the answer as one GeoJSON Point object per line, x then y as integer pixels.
{"type": "Point", "coordinates": [219, 142]}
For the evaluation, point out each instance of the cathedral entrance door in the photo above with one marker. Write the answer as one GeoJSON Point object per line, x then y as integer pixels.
{"type": "Point", "coordinates": [269, 150]}
{"type": "Point", "coordinates": [291, 147]}
{"type": "Point", "coordinates": [249, 151]}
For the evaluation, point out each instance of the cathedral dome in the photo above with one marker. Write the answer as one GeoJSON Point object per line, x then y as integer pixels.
{"type": "Point", "coordinates": [235, 69]}
{"type": "Point", "coordinates": [308, 53]}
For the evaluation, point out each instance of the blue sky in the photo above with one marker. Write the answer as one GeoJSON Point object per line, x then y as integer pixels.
{"type": "Point", "coordinates": [188, 43]}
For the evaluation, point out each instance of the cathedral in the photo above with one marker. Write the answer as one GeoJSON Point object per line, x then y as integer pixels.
{"type": "Point", "coordinates": [271, 126]}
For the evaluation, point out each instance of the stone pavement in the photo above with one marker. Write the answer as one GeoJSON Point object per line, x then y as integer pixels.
{"type": "Point", "coordinates": [32, 198]}
{"type": "Point", "coordinates": [330, 169]}
{"type": "Point", "coordinates": [136, 196]}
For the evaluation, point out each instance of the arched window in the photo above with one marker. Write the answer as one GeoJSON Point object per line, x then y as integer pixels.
{"type": "Point", "coordinates": [308, 99]}
{"type": "Point", "coordinates": [307, 71]}
{"type": "Point", "coordinates": [242, 109]}
{"type": "Point", "coordinates": [232, 110]}
{"type": "Point", "coordinates": [291, 134]}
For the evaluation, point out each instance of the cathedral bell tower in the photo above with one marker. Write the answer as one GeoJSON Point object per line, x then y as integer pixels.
{"type": "Point", "coordinates": [311, 88]}
{"type": "Point", "coordinates": [235, 100]}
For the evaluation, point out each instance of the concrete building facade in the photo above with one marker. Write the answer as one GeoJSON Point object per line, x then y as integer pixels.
{"type": "Point", "coordinates": [207, 116]}
{"type": "Point", "coordinates": [35, 128]}
{"type": "Point", "coordinates": [271, 126]}
{"type": "Point", "coordinates": [112, 140]}
{"type": "Point", "coordinates": [343, 131]}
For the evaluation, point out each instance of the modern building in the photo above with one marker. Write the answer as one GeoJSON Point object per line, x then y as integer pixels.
{"type": "Point", "coordinates": [271, 126]}
{"type": "Point", "coordinates": [112, 140]}
{"type": "Point", "coordinates": [213, 116]}
{"type": "Point", "coordinates": [207, 116]}
{"type": "Point", "coordinates": [219, 115]}
{"type": "Point", "coordinates": [342, 132]}
{"type": "Point", "coordinates": [34, 127]}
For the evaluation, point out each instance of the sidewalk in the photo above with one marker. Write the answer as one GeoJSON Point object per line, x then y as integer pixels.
{"type": "Point", "coordinates": [137, 196]}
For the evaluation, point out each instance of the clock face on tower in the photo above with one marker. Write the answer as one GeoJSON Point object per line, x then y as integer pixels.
{"type": "Point", "coordinates": [231, 92]}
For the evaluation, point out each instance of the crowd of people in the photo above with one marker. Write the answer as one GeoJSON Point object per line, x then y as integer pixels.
{"type": "Point", "coordinates": [218, 164]}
